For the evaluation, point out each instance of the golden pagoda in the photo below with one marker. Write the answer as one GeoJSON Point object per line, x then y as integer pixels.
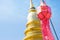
{"type": "Point", "coordinates": [33, 27]}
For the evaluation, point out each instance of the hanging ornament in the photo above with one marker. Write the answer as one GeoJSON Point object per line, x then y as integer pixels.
{"type": "Point", "coordinates": [44, 15]}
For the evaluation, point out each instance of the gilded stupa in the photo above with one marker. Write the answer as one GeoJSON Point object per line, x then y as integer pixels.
{"type": "Point", "coordinates": [33, 27]}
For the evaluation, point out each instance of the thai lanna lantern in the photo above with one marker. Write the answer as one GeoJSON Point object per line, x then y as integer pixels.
{"type": "Point", "coordinates": [44, 14]}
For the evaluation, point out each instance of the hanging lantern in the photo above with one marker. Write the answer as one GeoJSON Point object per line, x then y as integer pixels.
{"type": "Point", "coordinates": [44, 15]}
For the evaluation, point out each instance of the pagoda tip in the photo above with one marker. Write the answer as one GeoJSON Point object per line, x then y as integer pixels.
{"type": "Point", "coordinates": [31, 4]}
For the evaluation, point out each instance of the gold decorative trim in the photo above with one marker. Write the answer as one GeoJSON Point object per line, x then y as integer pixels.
{"type": "Point", "coordinates": [33, 22]}
{"type": "Point", "coordinates": [33, 36]}
{"type": "Point", "coordinates": [32, 10]}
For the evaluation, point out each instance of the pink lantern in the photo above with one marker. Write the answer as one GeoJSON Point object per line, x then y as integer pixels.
{"type": "Point", "coordinates": [44, 15]}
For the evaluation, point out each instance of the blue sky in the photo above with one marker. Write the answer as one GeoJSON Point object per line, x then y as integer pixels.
{"type": "Point", "coordinates": [13, 17]}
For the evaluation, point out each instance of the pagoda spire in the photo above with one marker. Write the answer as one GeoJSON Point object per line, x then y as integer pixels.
{"type": "Point", "coordinates": [32, 8]}
{"type": "Point", "coordinates": [31, 4]}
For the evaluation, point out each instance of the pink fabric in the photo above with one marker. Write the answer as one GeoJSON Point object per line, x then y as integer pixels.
{"type": "Point", "coordinates": [44, 16]}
